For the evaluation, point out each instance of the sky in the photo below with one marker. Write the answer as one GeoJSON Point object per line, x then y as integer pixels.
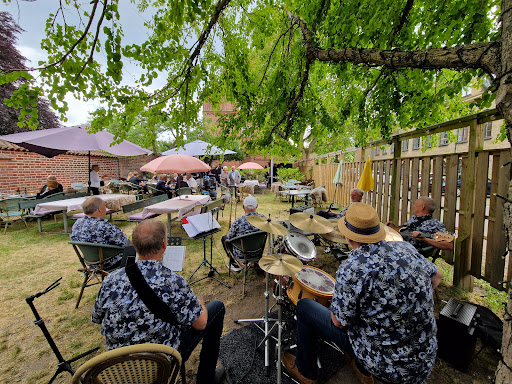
{"type": "Point", "coordinates": [32, 15]}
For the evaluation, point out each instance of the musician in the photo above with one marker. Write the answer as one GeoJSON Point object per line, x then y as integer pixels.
{"type": "Point", "coordinates": [422, 223]}
{"type": "Point", "coordinates": [126, 320]}
{"type": "Point", "coordinates": [241, 227]}
{"type": "Point", "coordinates": [382, 312]}
{"type": "Point", "coordinates": [356, 195]}
{"type": "Point", "coordinates": [93, 228]}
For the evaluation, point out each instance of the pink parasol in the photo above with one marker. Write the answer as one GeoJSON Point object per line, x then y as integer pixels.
{"type": "Point", "coordinates": [176, 164]}
{"type": "Point", "coordinates": [250, 165]}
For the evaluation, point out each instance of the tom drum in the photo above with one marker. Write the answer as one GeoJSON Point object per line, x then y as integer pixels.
{"type": "Point", "coordinates": [300, 246]}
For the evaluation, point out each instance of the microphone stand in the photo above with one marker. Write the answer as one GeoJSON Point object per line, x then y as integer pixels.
{"type": "Point", "coordinates": [63, 365]}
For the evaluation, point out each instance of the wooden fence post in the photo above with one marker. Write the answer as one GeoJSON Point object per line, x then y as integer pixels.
{"type": "Point", "coordinates": [462, 256]}
{"type": "Point", "coordinates": [395, 182]}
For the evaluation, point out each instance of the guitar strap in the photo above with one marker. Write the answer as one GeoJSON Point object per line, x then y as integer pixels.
{"type": "Point", "coordinates": [148, 296]}
{"type": "Point", "coordinates": [417, 222]}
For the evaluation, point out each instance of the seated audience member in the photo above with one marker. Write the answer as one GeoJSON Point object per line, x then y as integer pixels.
{"type": "Point", "coordinates": [135, 179]}
{"type": "Point", "coordinates": [191, 182]}
{"type": "Point", "coordinates": [422, 222]}
{"type": "Point", "coordinates": [180, 183]}
{"type": "Point", "coordinates": [241, 227]}
{"type": "Point", "coordinates": [382, 311]}
{"type": "Point", "coordinates": [50, 188]}
{"type": "Point", "coordinates": [162, 186]}
{"type": "Point", "coordinates": [356, 195]}
{"type": "Point", "coordinates": [126, 320]}
{"type": "Point", "coordinates": [155, 177]}
{"type": "Point", "coordinates": [93, 228]}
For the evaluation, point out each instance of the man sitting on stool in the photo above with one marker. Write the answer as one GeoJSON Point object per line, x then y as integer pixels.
{"type": "Point", "coordinates": [93, 228]}
{"type": "Point", "coordinates": [382, 312]}
{"type": "Point", "coordinates": [126, 320]}
{"type": "Point", "coordinates": [241, 227]}
{"type": "Point", "coordinates": [356, 195]}
{"type": "Point", "coordinates": [422, 222]}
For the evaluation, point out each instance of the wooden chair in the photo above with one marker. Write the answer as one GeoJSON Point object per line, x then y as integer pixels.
{"type": "Point", "coordinates": [251, 245]}
{"type": "Point", "coordinates": [10, 211]}
{"type": "Point", "coordinates": [137, 364]}
{"type": "Point", "coordinates": [92, 257]}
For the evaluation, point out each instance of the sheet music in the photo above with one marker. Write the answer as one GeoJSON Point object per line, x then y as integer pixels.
{"type": "Point", "coordinates": [201, 223]}
{"type": "Point", "coordinates": [174, 257]}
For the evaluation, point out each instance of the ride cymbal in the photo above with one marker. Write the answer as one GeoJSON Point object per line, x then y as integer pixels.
{"type": "Point", "coordinates": [311, 223]}
{"type": "Point", "coordinates": [267, 225]}
{"type": "Point", "coordinates": [280, 265]}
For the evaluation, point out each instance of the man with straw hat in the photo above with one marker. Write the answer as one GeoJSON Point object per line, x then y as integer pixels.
{"type": "Point", "coordinates": [382, 312]}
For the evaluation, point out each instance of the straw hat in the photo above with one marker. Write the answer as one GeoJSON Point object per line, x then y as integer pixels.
{"type": "Point", "coordinates": [361, 223]}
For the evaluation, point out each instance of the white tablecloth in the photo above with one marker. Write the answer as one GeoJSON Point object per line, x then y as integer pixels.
{"type": "Point", "coordinates": [180, 204]}
{"type": "Point", "coordinates": [114, 203]}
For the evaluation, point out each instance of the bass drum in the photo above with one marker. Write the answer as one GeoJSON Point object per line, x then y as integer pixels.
{"type": "Point", "coordinates": [311, 283]}
{"type": "Point", "coordinates": [300, 246]}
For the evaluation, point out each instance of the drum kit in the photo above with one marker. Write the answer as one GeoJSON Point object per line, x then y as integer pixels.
{"type": "Point", "coordinates": [287, 258]}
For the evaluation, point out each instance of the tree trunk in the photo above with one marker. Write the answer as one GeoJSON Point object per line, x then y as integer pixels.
{"type": "Point", "coordinates": [504, 105]}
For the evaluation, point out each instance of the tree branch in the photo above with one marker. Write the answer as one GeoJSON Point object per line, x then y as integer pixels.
{"type": "Point", "coordinates": [405, 14]}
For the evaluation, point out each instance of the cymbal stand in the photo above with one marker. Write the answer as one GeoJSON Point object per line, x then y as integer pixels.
{"type": "Point", "coordinates": [63, 365]}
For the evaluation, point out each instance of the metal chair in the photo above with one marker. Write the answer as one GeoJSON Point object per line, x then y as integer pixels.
{"type": "Point", "coordinates": [10, 211]}
{"type": "Point", "coordinates": [251, 245]}
{"type": "Point", "coordinates": [92, 256]}
{"type": "Point", "coordinates": [184, 191]}
{"type": "Point", "coordinates": [137, 364]}
{"type": "Point", "coordinates": [79, 187]}
{"type": "Point", "coordinates": [430, 251]}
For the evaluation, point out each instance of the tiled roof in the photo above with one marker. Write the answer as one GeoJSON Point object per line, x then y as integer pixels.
{"type": "Point", "coordinates": [10, 146]}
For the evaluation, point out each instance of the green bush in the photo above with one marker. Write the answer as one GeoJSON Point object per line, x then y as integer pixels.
{"type": "Point", "coordinates": [254, 174]}
{"type": "Point", "coordinates": [285, 174]}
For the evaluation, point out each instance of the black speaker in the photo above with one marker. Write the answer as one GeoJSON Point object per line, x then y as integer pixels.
{"type": "Point", "coordinates": [456, 333]}
{"type": "Point", "coordinates": [302, 208]}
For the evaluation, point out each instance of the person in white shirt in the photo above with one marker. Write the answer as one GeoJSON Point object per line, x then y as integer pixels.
{"type": "Point", "coordinates": [192, 183]}
{"type": "Point", "coordinates": [95, 179]}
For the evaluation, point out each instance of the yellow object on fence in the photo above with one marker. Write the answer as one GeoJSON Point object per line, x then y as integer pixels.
{"type": "Point", "coordinates": [366, 181]}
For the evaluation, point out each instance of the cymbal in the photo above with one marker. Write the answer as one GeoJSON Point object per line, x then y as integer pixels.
{"type": "Point", "coordinates": [280, 265]}
{"type": "Point", "coordinates": [391, 234]}
{"type": "Point", "coordinates": [311, 223]}
{"type": "Point", "coordinates": [335, 236]}
{"type": "Point", "coordinates": [266, 225]}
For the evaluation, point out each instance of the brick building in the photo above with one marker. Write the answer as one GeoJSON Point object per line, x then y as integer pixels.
{"type": "Point", "coordinates": [20, 168]}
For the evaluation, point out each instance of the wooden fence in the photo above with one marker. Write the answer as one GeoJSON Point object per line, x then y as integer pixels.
{"type": "Point", "coordinates": [463, 184]}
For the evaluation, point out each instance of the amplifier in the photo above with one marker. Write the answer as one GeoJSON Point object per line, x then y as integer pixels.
{"type": "Point", "coordinates": [456, 333]}
{"type": "Point", "coordinates": [302, 208]}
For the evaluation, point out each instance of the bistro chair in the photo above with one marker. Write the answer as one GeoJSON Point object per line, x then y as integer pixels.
{"type": "Point", "coordinates": [92, 257]}
{"type": "Point", "coordinates": [10, 211]}
{"type": "Point", "coordinates": [136, 364]}
{"type": "Point", "coordinates": [184, 191]}
{"type": "Point", "coordinates": [79, 187]}
{"type": "Point", "coordinates": [251, 245]}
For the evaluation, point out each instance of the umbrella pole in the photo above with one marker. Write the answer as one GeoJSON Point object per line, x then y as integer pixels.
{"type": "Point", "coordinates": [89, 173]}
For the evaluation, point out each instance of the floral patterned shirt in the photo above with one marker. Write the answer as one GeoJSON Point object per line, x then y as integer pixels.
{"type": "Point", "coordinates": [95, 230]}
{"type": "Point", "coordinates": [425, 224]}
{"type": "Point", "coordinates": [240, 227]}
{"type": "Point", "coordinates": [125, 319]}
{"type": "Point", "coordinates": [383, 296]}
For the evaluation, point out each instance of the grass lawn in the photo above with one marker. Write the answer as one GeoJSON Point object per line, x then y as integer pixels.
{"type": "Point", "coordinates": [31, 261]}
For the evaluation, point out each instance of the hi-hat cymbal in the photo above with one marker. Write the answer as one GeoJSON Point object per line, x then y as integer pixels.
{"type": "Point", "coordinates": [311, 223]}
{"type": "Point", "coordinates": [267, 225]}
{"type": "Point", "coordinates": [280, 265]}
{"type": "Point", "coordinates": [335, 236]}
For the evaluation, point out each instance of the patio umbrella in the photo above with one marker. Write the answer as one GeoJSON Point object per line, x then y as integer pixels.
{"type": "Point", "coordinates": [176, 164]}
{"type": "Point", "coordinates": [250, 165]}
{"type": "Point", "coordinates": [366, 181]}
{"type": "Point", "coordinates": [198, 148]}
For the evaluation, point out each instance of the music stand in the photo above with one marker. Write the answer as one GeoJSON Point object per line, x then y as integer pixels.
{"type": "Point", "coordinates": [63, 365]}
{"type": "Point", "coordinates": [209, 264]}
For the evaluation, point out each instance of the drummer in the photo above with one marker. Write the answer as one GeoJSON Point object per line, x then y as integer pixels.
{"type": "Point", "coordinates": [241, 227]}
{"type": "Point", "coordinates": [356, 195]}
{"type": "Point", "coordinates": [379, 280]}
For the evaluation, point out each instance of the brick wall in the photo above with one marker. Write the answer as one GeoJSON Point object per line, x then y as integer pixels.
{"type": "Point", "coordinates": [21, 169]}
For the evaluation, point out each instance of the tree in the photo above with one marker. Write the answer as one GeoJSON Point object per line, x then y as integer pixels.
{"type": "Point", "coordinates": [289, 65]}
{"type": "Point", "coordinates": [10, 58]}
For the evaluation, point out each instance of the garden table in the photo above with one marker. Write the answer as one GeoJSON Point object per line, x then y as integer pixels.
{"type": "Point", "coordinates": [295, 192]}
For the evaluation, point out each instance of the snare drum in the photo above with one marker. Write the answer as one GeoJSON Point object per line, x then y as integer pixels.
{"type": "Point", "coordinates": [311, 283]}
{"type": "Point", "coordinates": [300, 246]}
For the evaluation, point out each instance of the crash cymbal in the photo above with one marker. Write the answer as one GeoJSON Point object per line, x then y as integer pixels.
{"type": "Point", "coordinates": [391, 234]}
{"type": "Point", "coordinates": [335, 236]}
{"type": "Point", "coordinates": [280, 265]}
{"type": "Point", "coordinates": [311, 223]}
{"type": "Point", "coordinates": [267, 225]}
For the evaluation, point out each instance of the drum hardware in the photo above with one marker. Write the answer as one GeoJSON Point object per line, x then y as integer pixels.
{"type": "Point", "coordinates": [63, 365]}
{"type": "Point", "coordinates": [311, 223]}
